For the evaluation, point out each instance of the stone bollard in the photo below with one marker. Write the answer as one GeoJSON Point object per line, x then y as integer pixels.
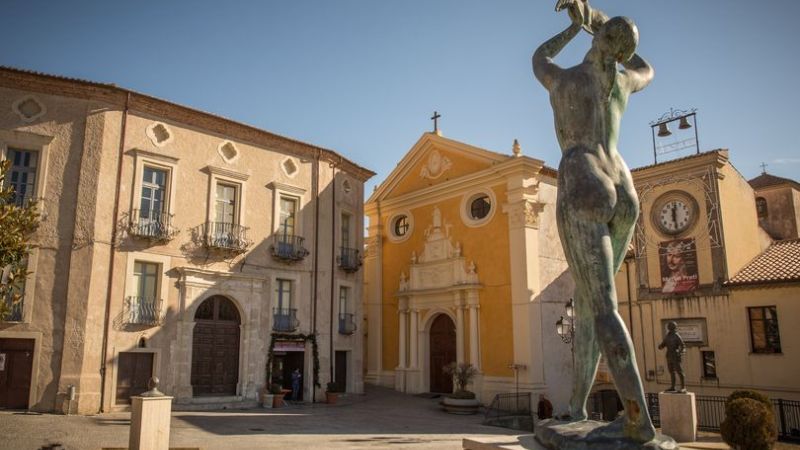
{"type": "Point", "coordinates": [678, 412]}
{"type": "Point", "coordinates": [150, 419]}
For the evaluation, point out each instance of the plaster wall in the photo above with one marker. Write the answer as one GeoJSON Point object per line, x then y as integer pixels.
{"type": "Point", "coordinates": [740, 223]}
{"type": "Point", "coordinates": [783, 211]}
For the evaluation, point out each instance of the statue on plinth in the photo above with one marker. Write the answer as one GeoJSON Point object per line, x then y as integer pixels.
{"type": "Point", "coordinates": [596, 209]}
{"type": "Point", "coordinates": [675, 348]}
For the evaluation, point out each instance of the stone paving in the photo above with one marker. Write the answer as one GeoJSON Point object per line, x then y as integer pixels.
{"type": "Point", "coordinates": [382, 418]}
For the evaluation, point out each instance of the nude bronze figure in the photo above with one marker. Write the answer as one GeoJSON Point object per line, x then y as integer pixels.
{"type": "Point", "coordinates": [597, 204]}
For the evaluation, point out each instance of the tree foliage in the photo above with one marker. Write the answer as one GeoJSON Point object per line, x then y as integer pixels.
{"type": "Point", "coordinates": [749, 422]}
{"type": "Point", "coordinates": [17, 223]}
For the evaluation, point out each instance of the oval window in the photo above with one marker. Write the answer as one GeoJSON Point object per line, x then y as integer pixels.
{"type": "Point", "coordinates": [401, 226]}
{"type": "Point", "coordinates": [480, 207]}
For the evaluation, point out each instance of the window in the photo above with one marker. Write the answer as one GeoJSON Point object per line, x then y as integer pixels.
{"type": "Point", "coordinates": [283, 294]}
{"type": "Point", "coordinates": [17, 291]}
{"type": "Point", "coordinates": [144, 306]}
{"type": "Point", "coordinates": [480, 207]}
{"type": "Point", "coordinates": [709, 364]}
{"type": "Point", "coordinates": [343, 295]}
{"type": "Point", "coordinates": [346, 323]}
{"type": "Point", "coordinates": [761, 207]}
{"type": "Point", "coordinates": [401, 226]}
{"type": "Point", "coordinates": [22, 174]}
{"type": "Point", "coordinates": [145, 279]}
{"type": "Point", "coordinates": [153, 201]}
{"type": "Point", "coordinates": [284, 316]}
{"type": "Point", "coordinates": [288, 214]}
{"type": "Point", "coordinates": [226, 204]}
{"type": "Point", "coordinates": [764, 334]}
{"type": "Point", "coordinates": [345, 230]}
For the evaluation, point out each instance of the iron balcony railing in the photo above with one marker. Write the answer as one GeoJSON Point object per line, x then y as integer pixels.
{"type": "Point", "coordinates": [154, 225]}
{"type": "Point", "coordinates": [288, 248]}
{"type": "Point", "coordinates": [142, 311]}
{"type": "Point", "coordinates": [284, 319]}
{"type": "Point", "coordinates": [13, 309]}
{"type": "Point", "coordinates": [347, 324]}
{"type": "Point", "coordinates": [226, 236]}
{"type": "Point", "coordinates": [349, 259]}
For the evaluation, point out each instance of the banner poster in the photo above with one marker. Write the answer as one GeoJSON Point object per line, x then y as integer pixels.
{"type": "Point", "coordinates": [678, 266]}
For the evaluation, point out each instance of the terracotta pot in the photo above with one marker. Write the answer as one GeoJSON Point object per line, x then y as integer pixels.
{"type": "Point", "coordinates": [277, 400]}
{"type": "Point", "coordinates": [266, 400]}
{"type": "Point", "coordinates": [331, 397]}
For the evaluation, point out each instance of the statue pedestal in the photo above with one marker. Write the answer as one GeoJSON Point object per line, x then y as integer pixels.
{"type": "Point", "coordinates": [150, 422]}
{"type": "Point", "coordinates": [678, 413]}
{"type": "Point", "coordinates": [593, 435]}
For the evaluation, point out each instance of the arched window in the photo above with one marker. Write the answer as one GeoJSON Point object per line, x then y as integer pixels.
{"type": "Point", "coordinates": [761, 207]}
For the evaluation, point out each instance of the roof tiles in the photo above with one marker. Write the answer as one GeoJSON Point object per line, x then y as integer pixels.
{"type": "Point", "coordinates": [779, 263]}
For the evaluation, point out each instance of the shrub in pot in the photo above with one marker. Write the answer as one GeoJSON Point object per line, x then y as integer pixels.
{"type": "Point", "coordinates": [461, 401]}
{"type": "Point", "coordinates": [332, 391]}
{"type": "Point", "coordinates": [277, 393]}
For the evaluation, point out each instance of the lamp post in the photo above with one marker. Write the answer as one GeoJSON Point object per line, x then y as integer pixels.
{"type": "Point", "coordinates": [565, 327]}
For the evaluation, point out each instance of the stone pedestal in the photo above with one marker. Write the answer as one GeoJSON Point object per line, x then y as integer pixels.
{"type": "Point", "coordinates": [678, 413]}
{"type": "Point", "coordinates": [593, 435]}
{"type": "Point", "coordinates": [150, 422]}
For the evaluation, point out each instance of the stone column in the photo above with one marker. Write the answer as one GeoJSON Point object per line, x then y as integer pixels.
{"type": "Point", "coordinates": [401, 363]}
{"type": "Point", "coordinates": [474, 342]}
{"type": "Point", "coordinates": [459, 333]}
{"type": "Point", "coordinates": [413, 341]}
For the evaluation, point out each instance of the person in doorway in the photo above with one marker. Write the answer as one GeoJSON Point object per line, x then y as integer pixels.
{"type": "Point", "coordinates": [545, 409]}
{"type": "Point", "coordinates": [296, 377]}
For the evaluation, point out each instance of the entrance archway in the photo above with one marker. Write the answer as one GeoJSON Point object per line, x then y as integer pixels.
{"type": "Point", "coordinates": [442, 353]}
{"type": "Point", "coordinates": [215, 348]}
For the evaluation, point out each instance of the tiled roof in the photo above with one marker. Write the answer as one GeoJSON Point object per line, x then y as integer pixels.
{"type": "Point", "coordinates": [779, 263]}
{"type": "Point", "coordinates": [767, 180]}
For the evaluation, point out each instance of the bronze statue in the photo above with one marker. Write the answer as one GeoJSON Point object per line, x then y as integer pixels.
{"type": "Point", "coordinates": [597, 205]}
{"type": "Point", "coordinates": [675, 348]}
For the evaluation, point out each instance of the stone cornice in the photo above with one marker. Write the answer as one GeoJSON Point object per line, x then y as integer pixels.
{"type": "Point", "coordinates": [226, 173]}
{"type": "Point", "coordinates": [278, 186]}
{"type": "Point", "coordinates": [137, 152]}
{"type": "Point", "coordinates": [715, 158]}
{"type": "Point", "coordinates": [111, 94]}
{"type": "Point", "coordinates": [186, 272]}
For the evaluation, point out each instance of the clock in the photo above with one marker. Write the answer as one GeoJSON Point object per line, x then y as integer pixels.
{"type": "Point", "coordinates": [674, 212]}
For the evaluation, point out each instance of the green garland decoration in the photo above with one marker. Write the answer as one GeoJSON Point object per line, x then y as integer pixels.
{"type": "Point", "coordinates": [294, 337]}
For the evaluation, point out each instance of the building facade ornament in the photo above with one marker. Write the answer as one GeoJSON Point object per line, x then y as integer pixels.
{"type": "Point", "coordinates": [436, 166]}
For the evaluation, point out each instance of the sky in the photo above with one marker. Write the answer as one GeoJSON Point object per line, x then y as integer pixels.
{"type": "Point", "coordinates": [363, 77]}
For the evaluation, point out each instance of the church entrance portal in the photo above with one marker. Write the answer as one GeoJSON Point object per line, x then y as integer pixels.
{"type": "Point", "coordinates": [442, 352]}
{"type": "Point", "coordinates": [215, 348]}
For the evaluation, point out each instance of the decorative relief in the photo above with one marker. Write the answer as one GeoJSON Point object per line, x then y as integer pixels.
{"type": "Point", "coordinates": [159, 134]}
{"type": "Point", "coordinates": [28, 108]}
{"type": "Point", "coordinates": [436, 166]}
{"type": "Point", "coordinates": [228, 151]}
{"type": "Point", "coordinates": [289, 167]}
{"type": "Point", "coordinates": [525, 213]}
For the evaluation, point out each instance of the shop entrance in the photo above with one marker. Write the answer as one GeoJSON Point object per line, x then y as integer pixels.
{"type": "Point", "coordinates": [286, 357]}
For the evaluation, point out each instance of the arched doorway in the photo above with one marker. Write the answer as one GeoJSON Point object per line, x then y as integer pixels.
{"type": "Point", "coordinates": [215, 348]}
{"type": "Point", "coordinates": [442, 353]}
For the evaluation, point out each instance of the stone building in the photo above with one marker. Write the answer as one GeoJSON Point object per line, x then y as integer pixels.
{"type": "Point", "coordinates": [708, 256]}
{"type": "Point", "coordinates": [464, 264]}
{"type": "Point", "coordinates": [178, 244]}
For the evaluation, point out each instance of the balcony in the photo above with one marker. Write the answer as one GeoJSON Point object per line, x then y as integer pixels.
{"type": "Point", "coordinates": [12, 309]}
{"type": "Point", "coordinates": [347, 324]}
{"type": "Point", "coordinates": [349, 259]}
{"type": "Point", "coordinates": [142, 311]}
{"type": "Point", "coordinates": [288, 248]}
{"type": "Point", "coordinates": [153, 225]}
{"type": "Point", "coordinates": [284, 319]}
{"type": "Point", "coordinates": [226, 236]}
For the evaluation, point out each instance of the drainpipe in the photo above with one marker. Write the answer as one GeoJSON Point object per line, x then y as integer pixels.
{"type": "Point", "coordinates": [112, 253]}
{"type": "Point", "coordinates": [333, 259]}
{"type": "Point", "coordinates": [315, 276]}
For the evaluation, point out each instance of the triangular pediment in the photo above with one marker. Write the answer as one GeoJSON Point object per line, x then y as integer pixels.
{"type": "Point", "coordinates": [434, 159]}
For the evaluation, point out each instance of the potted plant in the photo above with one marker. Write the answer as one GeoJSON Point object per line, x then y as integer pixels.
{"type": "Point", "coordinates": [332, 392]}
{"type": "Point", "coordinates": [277, 395]}
{"type": "Point", "coordinates": [461, 401]}
{"type": "Point", "coordinates": [266, 397]}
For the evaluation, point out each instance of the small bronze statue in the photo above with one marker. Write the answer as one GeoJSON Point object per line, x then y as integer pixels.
{"type": "Point", "coordinates": [675, 349]}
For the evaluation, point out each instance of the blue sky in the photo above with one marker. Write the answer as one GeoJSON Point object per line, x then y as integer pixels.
{"type": "Point", "coordinates": [364, 76]}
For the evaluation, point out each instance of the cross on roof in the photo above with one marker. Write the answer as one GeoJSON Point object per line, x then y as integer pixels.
{"type": "Point", "coordinates": [435, 120]}
{"type": "Point", "coordinates": [763, 168]}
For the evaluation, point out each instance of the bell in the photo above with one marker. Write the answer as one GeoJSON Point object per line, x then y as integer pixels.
{"type": "Point", "coordinates": [684, 125]}
{"type": "Point", "coordinates": [663, 131]}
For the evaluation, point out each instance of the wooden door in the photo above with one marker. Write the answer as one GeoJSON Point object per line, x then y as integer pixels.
{"type": "Point", "coordinates": [442, 353]}
{"type": "Point", "coordinates": [16, 365]}
{"type": "Point", "coordinates": [133, 372]}
{"type": "Point", "coordinates": [340, 373]}
{"type": "Point", "coordinates": [215, 348]}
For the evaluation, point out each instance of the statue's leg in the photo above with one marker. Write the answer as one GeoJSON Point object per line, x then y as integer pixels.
{"type": "Point", "coordinates": [683, 380]}
{"type": "Point", "coordinates": [587, 356]}
{"type": "Point", "coordinates": [671, 379]}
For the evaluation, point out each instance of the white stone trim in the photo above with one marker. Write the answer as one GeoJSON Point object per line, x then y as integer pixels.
{"type": "Point", "coordinates": [466, 203]}
{"type": "Point", "coordinates": [30, 141]}
{"type": "Point", "coordinates": [150, 131]}
{"type": "Point", "coordinates": [286, 190]}
{"type": "Point", "coordinates": [28, 119]}
{"type": "Point", "coordinates": [144, 158]}
{"type": "Point", "coordinates": [226, 176]}
{"type": "Point", "coordinates": [229, 145]}
{"type": "Point", "coordinates": [165, 264]}
{"type": "Point", "coordinates": [390, 234]}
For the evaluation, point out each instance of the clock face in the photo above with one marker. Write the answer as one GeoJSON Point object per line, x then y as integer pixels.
{"type": "Point", "coordinates": [675, 216]}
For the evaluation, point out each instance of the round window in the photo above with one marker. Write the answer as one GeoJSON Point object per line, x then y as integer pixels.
{"type": "Point", "coordinates": [401, 226]}
{"type": "Point", "coordinates": [480, 207]}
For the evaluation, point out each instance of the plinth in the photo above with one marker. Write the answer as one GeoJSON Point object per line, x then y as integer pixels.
{"type": "Point", "coordinates": [591, 435]}
{"type": "Point", "coordinates": [678, 412]}
{"type": "Point", "coordinates": [150, 421]}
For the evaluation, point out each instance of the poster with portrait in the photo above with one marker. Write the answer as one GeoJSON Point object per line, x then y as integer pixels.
{"type": "Point", "coordinates": [678, 266]}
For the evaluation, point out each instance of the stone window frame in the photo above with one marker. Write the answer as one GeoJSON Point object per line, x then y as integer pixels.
{"type": "Point", "coordinates": [280, 190]}
{"type": "Point", "coordinates": [297, 294]}
{"type": "Point", "coordinates": [41, 144]}
{"type": "Point", "coordinates": [767, 349]}
{"type": "Point", "coordinates": [164, 263]}
{"type": "Point", "coordinates": [465, 209]}
{"type": "Point", "coordinates": [762, 209]}
{"type": "Point", "coordinates": [351, 303]}
{"type": "Point", "coordinates": [390, 226]}
{"type": "Point", "coordinates": [144, 158]}
{"type": "Point", "coordinates": [218, 175]}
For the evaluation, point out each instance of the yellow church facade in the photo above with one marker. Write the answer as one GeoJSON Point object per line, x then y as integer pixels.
{"type": "Point", "coordinates": [464, 264]}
